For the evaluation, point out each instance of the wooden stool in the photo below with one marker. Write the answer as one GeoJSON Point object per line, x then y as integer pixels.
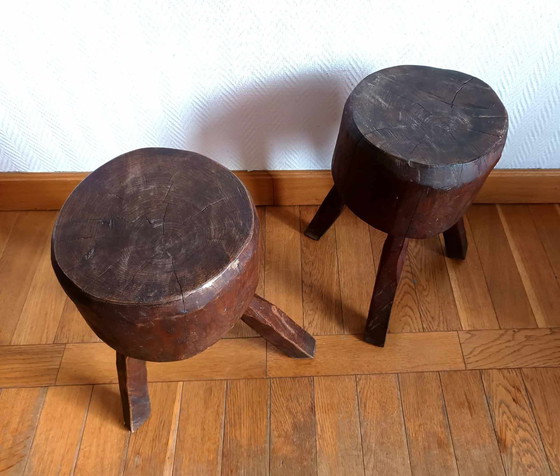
{"type": "Point", "coordinates": [415, 146]}
{"type": "Point", "coordinates": [158, 250]}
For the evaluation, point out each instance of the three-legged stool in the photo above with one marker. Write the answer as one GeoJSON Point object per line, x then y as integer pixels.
{"type": "Point", "coordinates": [415, 146]}
{"type": "Point", "coordinates": [158, 250]}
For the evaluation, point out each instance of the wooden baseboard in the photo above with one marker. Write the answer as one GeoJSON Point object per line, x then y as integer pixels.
{"type": "Point", "coordinates": [48, 191]}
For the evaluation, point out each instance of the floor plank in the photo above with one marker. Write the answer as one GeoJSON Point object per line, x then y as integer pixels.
{"type": "Point", "coordinates": [320, 280]}
{"type": "Point", "coordinates": [246, 432]}
{"type": "Point", "coordinates": [292, 427]}
{"type": "Point", "coordinates": [547, 222]}
{"type": "Point", "coordinates": [19, 410]}
{"type": "Point", "coordinates": [429, 438]}
{"type": "Point", "coordinates": [356, 269]}
{"type": "Point", "coordinates": [151, 449]}
{"type": "Point", "coordinates": [228, 358]}
{"type": "Point", "coordinates": [511, 348]}
{"type": "Point", "coordinates": [340, 355]}
{"type": "Point", "coordinates": [29, 365]}
{"type": "Point", "coordinates": [59, 432]}
{"type": "Point", "coordinates": [516, 430]}
{"type": "Point", "coordinates": [382, 425]}
{"type": "Point", "coordinates": [471, 426]}
{"type": "Point", "coordinates": [201, 428]}
{"type": "Point", "coordinates": [18, 264]}
{"type": "Point", "coordinates": [105, 437]}
{"type": "Point", "coordinates": [7, 221]}
{"type": "Point", "coordinates": [543, 388]}
{"type": "Point", "coordinates": [43, 306]}
{"type": "Point", "coordinates": [532, 261]}
{"type": "Point", "coordinates": [474, 304]}
{"type": "Point", "coordinates": [339, 447]}
{"type": "Point", "coordinates": [435, 295]}
{"type": "Point", "coordinates": [283, 261]}
{"type": "Point", "coordinates": [72, 327]}
{"type": "Point", "coordinates": [502, 277]}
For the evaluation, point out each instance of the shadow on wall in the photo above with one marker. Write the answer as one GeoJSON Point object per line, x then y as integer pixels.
{"type": "Point", "coordinates": [287, 123]}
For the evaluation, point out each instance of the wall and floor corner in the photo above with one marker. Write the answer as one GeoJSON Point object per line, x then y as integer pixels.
{"type": "Point", "coordinates": [256, 85]}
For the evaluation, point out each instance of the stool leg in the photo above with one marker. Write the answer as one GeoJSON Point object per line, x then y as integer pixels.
{"type": "Point", "coordinates": [388, 275]}
{"type": "Point", "coordinates": [456, 241]}
{"type": "Point", "coordinates": [328, 212]}
{"type": "Point", "coordinates": [133, 384]}
{"type": "Point", "coordinates": [278, 329]}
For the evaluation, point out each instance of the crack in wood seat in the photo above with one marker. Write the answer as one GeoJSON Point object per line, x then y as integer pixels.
{"type": "Point", "coordinates": [158, 250]}
{"type": "Point", "coordinates": [415, 146]}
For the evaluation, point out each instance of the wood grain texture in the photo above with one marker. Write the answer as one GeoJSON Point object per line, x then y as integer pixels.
{"type": "Point", "coordinates": [349, 354]}
{"type": "Point", "coordinates": [7, 221]}
{"type": "Point", "coordinates": [381, 420]}
{"type": "Point", "coordinates": [283, 261]}
{"type": "Point", "coordinates": [543, 388]}
{"type": "Point", "coordinates": [151, 450]}
{"type": "Point", "coordinates": [516, 431]}
{"type": "Point", "coordinates": [339, 446]}
{"type": "Point", "coordinates": [29, 365]}
{"type": "Point", "coordinates": [547, 221]}
{"type": "Point", "coordinates": [246, 432]}
{"type": "Point", "coordinates": [504, 283]}
{"type": "Point", "coordinates": [48, 191]}
{"type": "Point", "coordinates": [470, 290]}
{"type": "Point", "coordinates": [229, 358]}
{"type": "Point", "coordinates": [471, 426]}
{"type": "Point", "coordinates": [201, 429]}
{"type": "Point", "coordinates": [292, 427]}
{"type": "Point", "coordinates": [105, 438]}
{"type": "Point", "coordinates": [487, 349]}
{"type": "Point", "coordinates": [59, 432]}
{"type": "Point", "coordinates": [427, 428]}
{"type": "Point", "coordinates": [356, 269]}
{"type": "Point", "coordinates": [433, 287]}
{"type": "Point", "coordinates": [72, 327]}
{"type": "Point", "coordinates": [543, 290]}
{"type": "Point", "coordinates": [240, 329]}
{"type": "Point", "coordinates": [20, 409]}
{"type": "Point", "coordinates": [322, 309]}
{"type": "Point", "coordinates": [18, 264]}
{"type": "Point", "coordinates": [43, 306]}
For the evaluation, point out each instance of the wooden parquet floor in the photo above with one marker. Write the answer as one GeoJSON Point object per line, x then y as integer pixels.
{"type": "Point", "coordinates": [469, 381]}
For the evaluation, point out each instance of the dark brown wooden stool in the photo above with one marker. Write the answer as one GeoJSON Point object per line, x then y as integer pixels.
{"type": "Point", "coordinates": [415, 146]}
{"type": "Point", "coordinates": [158, 250]}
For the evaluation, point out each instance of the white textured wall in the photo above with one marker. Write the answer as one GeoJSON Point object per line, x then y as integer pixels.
{"type": "Point", "coordinates": [256, 84]}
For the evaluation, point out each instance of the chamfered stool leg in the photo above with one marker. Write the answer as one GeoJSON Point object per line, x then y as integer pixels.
{"type": "Point", "coordinates": [327, 214]}
{"type": "Point", "coordinates": [278, 329]}
{"type": "Point", "coordinates": [133, 385]}
{"type": "Point", "coordinates": [388, 275]}
{"type": "Point", "coordinates": [456, 243]}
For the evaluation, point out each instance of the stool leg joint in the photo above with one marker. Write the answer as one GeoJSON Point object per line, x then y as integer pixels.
{"type": "Point", "coordinates": [327, 214]}
{"type": "Point", "coordinates": [278, 329]}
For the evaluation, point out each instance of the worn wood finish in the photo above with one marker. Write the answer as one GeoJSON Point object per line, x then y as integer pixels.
{"type": "Point", "coordinates": [516, 431]}
{"type": "Point", "coordinates": [133, 385]}
{"type": "Point", "coordinates": [415, 146]}
{"type": "Point", "coordinates": [388, 275]}
{"type": "Point", "coordinates": [276, 327]}
{"type": "Point", "coordinates": [471, 426]}
{"type": "Point", "coordinates": [29, 365]}
{"type": "Point", "coordinates": [159, 250]}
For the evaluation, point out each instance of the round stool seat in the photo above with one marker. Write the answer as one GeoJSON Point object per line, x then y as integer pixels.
{"type": "Point", "coordinates": [414, 132]}
{"type": "Point", "coordinates": [158, 250]}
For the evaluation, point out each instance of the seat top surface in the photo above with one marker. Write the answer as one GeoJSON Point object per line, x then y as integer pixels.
{"type": "Point", "coordinates": [151, 226]}
{"type": "Point", "coordinates": [428, 117]}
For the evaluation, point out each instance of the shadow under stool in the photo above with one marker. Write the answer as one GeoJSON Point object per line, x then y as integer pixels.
{"type": "Point", "coordinates": [415, 146]}
{"type": "Point", "coordinates": [158, 250]}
